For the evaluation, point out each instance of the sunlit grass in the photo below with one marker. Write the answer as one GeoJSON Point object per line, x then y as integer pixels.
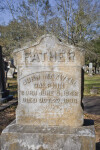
{"type": "Point", "coordinates": [12, 86]}
{"type": "Point", "coordinates": [90, 82]}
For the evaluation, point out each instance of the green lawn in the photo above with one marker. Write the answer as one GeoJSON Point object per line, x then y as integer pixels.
{"type": "Point", "coordinates": [12, 86]}
{"type": "Point", "coordinates": [89, 82]}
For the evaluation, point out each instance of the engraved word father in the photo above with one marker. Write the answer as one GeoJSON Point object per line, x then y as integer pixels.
{"type": "Point", "coordinates": [58, 56]}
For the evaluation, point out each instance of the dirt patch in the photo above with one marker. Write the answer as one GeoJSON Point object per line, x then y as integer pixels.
{"type": "Point", "coordinates": [6, 117]}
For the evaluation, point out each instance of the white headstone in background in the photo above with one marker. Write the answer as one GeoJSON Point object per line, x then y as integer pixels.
{"type": "Point", "coordinates": [90, 65]}
{"type": "Point", "coordinates": [90, 69]}
{"type": "Point", "coordinates": [10, 73]}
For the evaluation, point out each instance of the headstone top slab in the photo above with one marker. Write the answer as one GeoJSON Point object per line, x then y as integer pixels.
{"type": "Point", "coordinates": [49, 83]}
{"type": "Point", "coordinates": [49, 50]}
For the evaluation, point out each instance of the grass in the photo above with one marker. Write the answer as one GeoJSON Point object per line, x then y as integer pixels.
{"type": "Point", "coordinates": [89, 82]}
{"type": "Point", "coordinates": [12, 86]}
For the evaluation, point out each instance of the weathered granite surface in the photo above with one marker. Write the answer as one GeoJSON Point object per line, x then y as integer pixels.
{"type": "Point", "coordinates": [49, 83]}
{"type": "Point", "coordinates": [28, 137]}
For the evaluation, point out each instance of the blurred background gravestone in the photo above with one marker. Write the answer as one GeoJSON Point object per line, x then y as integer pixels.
{"type": "Point", "coordinates": [4, 93]}
{"type": "Point", "coordinates": [11, 69]}
{"type": "Point", "coordinates": [90, 69]}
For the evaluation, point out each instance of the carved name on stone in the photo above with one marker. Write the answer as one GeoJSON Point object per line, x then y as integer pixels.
{"type": "Point", "coordinates": [52, 87]}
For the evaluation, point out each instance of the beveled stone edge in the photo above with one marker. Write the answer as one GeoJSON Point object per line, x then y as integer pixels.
{"type": "Point", "coordinates": [88, 131]}
{"type": "Point", "coordinates": [38, 41]}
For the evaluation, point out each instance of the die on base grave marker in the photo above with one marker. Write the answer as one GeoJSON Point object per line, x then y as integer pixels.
{"type": "Point", "coordinates": [4, 93]}
{"type": "Point", "coordinates": [49, 114]}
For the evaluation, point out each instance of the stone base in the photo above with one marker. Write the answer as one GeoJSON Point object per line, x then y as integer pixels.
{"type": "Point", "coordinates": [4, 94]}
{"type": "Point", "coordinates": [24, 137]}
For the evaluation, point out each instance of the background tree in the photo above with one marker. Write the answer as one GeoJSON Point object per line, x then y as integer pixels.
{"type": "Point", "coordinates": [35, 5]}
{"type": "Point", "coordinates": [73, 21]}
{"type": "Point", "coordinates": [46, 13]}
{"type": "Point", "coordinates": [80, 18]}
{"type": "Point", "coordinates": [65, 8]}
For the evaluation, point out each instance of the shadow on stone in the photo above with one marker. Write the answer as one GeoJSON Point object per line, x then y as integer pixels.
{"type": "Point", "coordinates": [98, 146]}
{"type": "Point", "coordinates": [88, 122]}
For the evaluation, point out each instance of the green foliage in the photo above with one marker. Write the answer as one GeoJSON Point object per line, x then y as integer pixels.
{"type": "Point", "coordinates": [96, 44]}
{"type": "Point", "coordinates": [18, 33]}
{"type": "Point", "coordinates": [74, 21]}
{"type": "Point", "coordinates": [93, 52]}
{"type": "Point", "coordinates": [13, 86]}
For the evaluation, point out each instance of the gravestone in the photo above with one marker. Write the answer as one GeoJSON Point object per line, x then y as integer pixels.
{"type": "Point", "coordinates": [85, 68]}
{"type": "Point", "coordinates": [90, 69]}
{"type": "Point", "coordinates": [11, 69]}
{"type": "Point", "coordinates": [10, 73]}
{"type": "Point", "coordinates": [93, 91]}
{"type": "Point", "coordinates": [93, 69]}
{"type": "Point", "coordinates": [4, 94]}
{"type": "Point", "coordinates": [99, 70]}
{"type": "Point", "coordinates": [49, 113]}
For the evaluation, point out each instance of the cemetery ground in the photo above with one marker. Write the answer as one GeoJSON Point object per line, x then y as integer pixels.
{"type": "Point", "coordinates": [8, 115]}
{"type": "Point", "coordinates": [91, 82]}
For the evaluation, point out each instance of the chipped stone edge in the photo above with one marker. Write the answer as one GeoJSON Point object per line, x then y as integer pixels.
{"type": "Point", "coordinates": [83, 131]}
